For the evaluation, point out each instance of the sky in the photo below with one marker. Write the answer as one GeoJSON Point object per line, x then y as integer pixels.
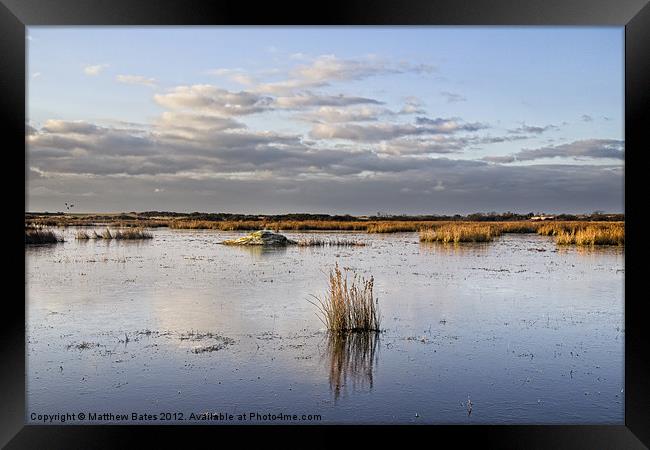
{"type": "Point", "coordinates": [339, 120]}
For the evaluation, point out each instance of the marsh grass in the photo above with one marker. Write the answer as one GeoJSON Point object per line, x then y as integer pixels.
{"type": "Point", "coordinates": [317, 242]}
{"type": "Point", "coordinates": [36, 236]}
{"type": "Point", "coordinates": [585, 233]}
{"type": "Point", "coordinates": [348, 307]}
{"type": "Point", "coordinates": [592, 236]}
{"type": "Point", "coordinates": [129, 234]}
{"type": "Point", "coordinates": [518, 227]}
{"type": "Point", "coordinates": [462, 232]}
{"type": "Point", "coordinates": [395, 227]}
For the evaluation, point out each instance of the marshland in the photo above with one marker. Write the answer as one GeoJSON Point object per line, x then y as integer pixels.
{"type": "Point", "coordinates": [524, 317]}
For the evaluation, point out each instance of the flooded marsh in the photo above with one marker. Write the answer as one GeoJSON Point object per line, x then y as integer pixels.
{"type": "Point", "coordinates": [530, 331]}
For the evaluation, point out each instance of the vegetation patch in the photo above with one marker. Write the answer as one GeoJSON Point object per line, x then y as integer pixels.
{"type": "Point", "coordinates": [129, 234]}
{"type": "Point", "coordinates": [348, 306]}
{"type": "Point", "coordinates": [36, 236]}
{"type": "Point", "coordinates": [455, 233]}
{"type": "Point", "coordinates": [592, 236]}
{"type": "Point", "coordinates": [316, 242]}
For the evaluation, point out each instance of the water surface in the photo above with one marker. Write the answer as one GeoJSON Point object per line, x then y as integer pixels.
{"type": "Point", "coordinates": [527, 331]}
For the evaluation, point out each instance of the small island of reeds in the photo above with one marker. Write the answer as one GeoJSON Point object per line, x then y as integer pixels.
{"type": "Point", "coordinates": [130, 234]}
{"type": "Point", "coordinates": [348, 306]}
{"type": "Point", "coordinates": [36, 236]}
{"type": "Point", "coordinates": [454, 233]}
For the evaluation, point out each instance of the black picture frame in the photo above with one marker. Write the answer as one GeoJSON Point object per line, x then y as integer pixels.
{"type": "Point", "coordinates": [634, 15]}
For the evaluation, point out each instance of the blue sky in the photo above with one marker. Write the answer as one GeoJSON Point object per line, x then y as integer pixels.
{"type": "Point", "coordinates": [161, 112]}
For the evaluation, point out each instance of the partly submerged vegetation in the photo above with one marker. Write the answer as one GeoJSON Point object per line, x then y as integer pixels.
{"type": "Point", "coordinates": [130, 234]}
{"type": "Point", "coordinates": [35, 236]}
{"type": "Point", "coordinates": [339, 242]}
{"type": "Point", "coordinates": [454, 233]}
{"type": "Point", "coordinates": [592, 236]}
{"type": "Point", "coordinates": [379, 223]}
{"type": "Point", "coordinates": [585, 233]}
{"type": "Point", "coordinates": [348, 306]}
{"type": "Point", "coordinates": [565, 233]}
{"type": "Point", "coordinates": [594, 229]}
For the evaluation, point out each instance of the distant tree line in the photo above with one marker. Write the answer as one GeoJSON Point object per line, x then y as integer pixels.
{"type": "Point", "coordinates": [477, 217]}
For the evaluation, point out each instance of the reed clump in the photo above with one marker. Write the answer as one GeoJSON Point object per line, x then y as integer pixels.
{"type": "Point", "coordinates": [592, 236]}
{"type": "Point", "coordinates": [317, 242]}
{"type": "Point", "coordinates": [35, 236]}
{"type": "Point", "coordinates": [348, 307]}
{"type": "Point", "coordinates": [82, 235]}
{"type": "Point", "coordinates": [464, 232]}
{"type": "Point", "coordinates": [394, 227]}
{"type": "Point", "coordinates": [129, 234]}
{"type": "Point", "coordinates": [518, 227]}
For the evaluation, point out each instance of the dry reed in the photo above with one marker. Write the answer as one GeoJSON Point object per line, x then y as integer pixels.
{"type": "Point", "coordinates": [316, 242]}
{"type": "Point", "coordinates": [592, 236]}
{"type": "Point", "coordinates": [35, 236]}
{"type": "Point", "coordinates": [463, 232]}
{"type": "Point", "coordinates": [348, 307]}
{"type": "Point", "coordinates": [129, 234]}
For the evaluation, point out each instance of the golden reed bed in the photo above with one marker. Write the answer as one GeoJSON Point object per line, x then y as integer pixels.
{"type": "Point", "coordinates": [565, 232]}
{"type": "Point", "coordinates": [454, 233]}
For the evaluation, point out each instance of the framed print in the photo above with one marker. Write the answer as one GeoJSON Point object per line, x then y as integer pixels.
{"type": "Point", "coordinates": [368, 220]}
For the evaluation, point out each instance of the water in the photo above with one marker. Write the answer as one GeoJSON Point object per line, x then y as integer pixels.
{"type": "Point", "coordinates": [527, 331]}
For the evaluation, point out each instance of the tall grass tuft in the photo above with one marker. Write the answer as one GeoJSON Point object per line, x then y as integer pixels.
{"type": "Point", "coordinates": [393, 227]}
{"type": "Point", "coordinates": [35, 236]}
{"type": "Point", "coordinates": [316, 242]}
{"type": "Point", "coordinates": [592, 236]}
{"type": "Point", "coordinates": [348, 307]}
{"type": "Point", "coordinates": [133, 233]}
{"type": "Point", "coordinates": [464, 232]}
{"type": "Point", "coordinates": [518, 227]}
{"type": "Point", "coordinates": [82, 235]}
{"type": "Point", "coordinates": [129, 234]}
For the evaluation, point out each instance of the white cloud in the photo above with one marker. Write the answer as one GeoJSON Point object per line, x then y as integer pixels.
{"type": "Point", "coordinates": [205, 97]}
{"type": "Point", "coordinates": [327, 69]}
{"type": "Point", "coordinates": [585, 148]}
{"type": "Point", "coordinates": [136, 79]}
{"type": "Point", "coordinates": [237, 75]}
{"type": "Point", "coordinates": [94, 70]}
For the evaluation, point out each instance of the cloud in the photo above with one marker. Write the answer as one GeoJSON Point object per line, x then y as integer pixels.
{"type": "Point", "coordinates": [327, 69]}
{"type": "Point", "coordinates": [388, 131]}
{"type": "Point", "coordinates": [586, 148]}
{"type": "Point", "coordinates": [430, 145]}
{"type": "Point", "coordinates": [193, 156]}
{"type": "Point", "coordinates": [532, 129]}
{"type": "Point", "coordinates": [95, 70]}
{"type": "Point", "coordinates": [212, 99]}
{"type": "Point", "coordinates": [440, 125]}
{"type": "Point", "coordinates": [329, 114]}
{"type": "Point", "coordinates": [412, 105]}
{"type": "Point", "coordinates": [136, 79]}
{"type": "Point", "coordinates": [499, 159]}
{"type": "Point", "coordinates": [453, 97]}
{"type": "Point", "coordinates": [308, 99]}
{"type": "Point", "coordinates": [586, 118]}
{"type": "Point", "coordinates": [237, 75]}
{"type": "Point", "coordinates": [439, 144]}
{"type": "Point", "coordinates": [353, 150]}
